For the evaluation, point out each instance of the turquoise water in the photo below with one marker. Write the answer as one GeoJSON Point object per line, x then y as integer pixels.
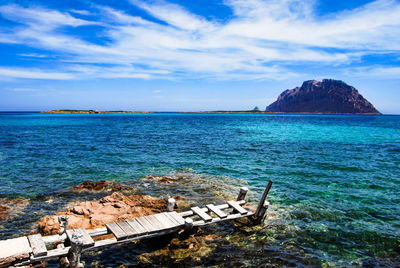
{"type": "Point", "coordinates": [336, 193]}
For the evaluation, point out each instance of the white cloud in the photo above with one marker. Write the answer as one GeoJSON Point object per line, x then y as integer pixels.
{"type": "Point", "coordinates": [33, 55]}
{"type": "Point", "coordinates": [7, 73]}
{"type": "Point", "coordinates": [81, 12]}
{"type": "Point", "coordinates": [175, 15]}
{"type": "Point", "coordinates": [25, 89]}
{"type": "Point", "coordinates": [260, 41]}
{"type": "Point", "coordinates": [386, 72]}
{"type": "Point", "coordinates": [40, 17]}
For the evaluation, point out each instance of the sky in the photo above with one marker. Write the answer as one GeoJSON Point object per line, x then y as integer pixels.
{"type": "Point", "coordinates": [184, 55]}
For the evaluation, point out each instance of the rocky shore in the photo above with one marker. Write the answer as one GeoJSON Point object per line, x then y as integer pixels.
{"type": "Point", "coordinates": [113, 201]}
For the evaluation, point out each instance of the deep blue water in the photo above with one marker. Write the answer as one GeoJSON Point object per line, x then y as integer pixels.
{"type": "Point", "coordinates": [336, 193]}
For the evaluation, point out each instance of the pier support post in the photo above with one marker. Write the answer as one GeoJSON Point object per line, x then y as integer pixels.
{"type": "Point", "coordinates": [63, 221]}
{"type": "Point", "coordinates": [171, 204]}
{"type": "Point", "coordinates": [74, 253]}
{"type": "Point", "coordinates": [260, 213]}
{"type": "Point", "coordinates": [263, 213]}
{"type": "Point", "coordinates": [242, 193]}
{"type": "Point", "coordinates": [188, 225]}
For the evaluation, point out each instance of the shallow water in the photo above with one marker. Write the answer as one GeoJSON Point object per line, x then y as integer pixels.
{"type": "Point", "coordinates": [335, 198]}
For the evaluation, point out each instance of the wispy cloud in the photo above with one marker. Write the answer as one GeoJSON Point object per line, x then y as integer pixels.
{"type": "Point", "coordinates": [25, 89]}
{"type": "Point", "coordinates": [81, 12]}
{"type": "Point", "coordinates": [7, 73]}
{"type": "Point", "coordinates": [386, 72]}
{"type": "Point", "coordinates": [33, 55]}
{"type": "Point", "coordinates": [261, 40]}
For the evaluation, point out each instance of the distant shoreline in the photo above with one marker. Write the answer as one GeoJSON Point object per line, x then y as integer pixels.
{"type": "Point", "coordinates": [66, 111]}
{"type": "Point", "coordinates": [89, 112]}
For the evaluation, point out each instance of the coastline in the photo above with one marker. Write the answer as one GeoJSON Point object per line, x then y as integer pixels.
{"type": "Point", "coordinates": [89, 112]}
{"type": "Point", "coordinates": [196, 112]}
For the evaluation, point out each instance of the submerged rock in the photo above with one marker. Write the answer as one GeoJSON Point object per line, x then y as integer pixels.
{"type": "Point", "coordinates": [160, 179]}
{"type": "Point", "coordinates": [101, 185]}
{"type": "Point", "coordinates": [181, 250]}
{"type": "Point", "coordinates": [175, 178]}
{"type": "Point", "coordinates": [96, 214]}
{"type": "Point", "coordinates": [11, 207]}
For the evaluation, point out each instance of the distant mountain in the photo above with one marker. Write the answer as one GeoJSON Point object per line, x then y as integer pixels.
{"type": "Point", "coordinates": [328, 96]}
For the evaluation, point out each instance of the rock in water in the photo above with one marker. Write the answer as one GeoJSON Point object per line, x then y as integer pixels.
{"type": "Point", "coordinates": [328, 96]}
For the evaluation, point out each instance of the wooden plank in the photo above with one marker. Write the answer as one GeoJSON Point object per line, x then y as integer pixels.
{"type": "Point", "coordinates": [237, 207]}
{"type": "Point", "coordinates": [177, 217]}
{"type": "Point", "coordinates": [137, 226]}
{"type": "Point", "coordinates": [37, 244]}
{"type": "Point", "coordinates": [172, 220]}
{"type": "Point", "coordinates": [16, 247]}
{"type": "Point", "coordinates": [52, 254]}
{"type": "Point", "coordinates": [262, 200]}
{"type": "Point", "coordinates": [116, 230]}
{"type": "Point", "coordinates": [176, 221]}
{"type": "Point", "coordinates": [86, 238]}
{"type": "Point", "coordinates": [127, 228]}
{"type": "Point", "coordinates": [217, 211]}
{"type": "Point", "coordinates": [204, 216]}
{"type": "Point", "coordinates": [216, 220]}
{"type": "Point", "coordinates": [223, 206]}
{"type": "Point", "coordinates": [165, 221]}
{"type": "Point", "coordinates": [155, 222]}
{"type": "Point", "coordinates": [146, 224]}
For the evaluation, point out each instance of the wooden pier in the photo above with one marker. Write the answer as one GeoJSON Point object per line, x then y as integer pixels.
{"type": "Point", "coordinates": [72, 242]}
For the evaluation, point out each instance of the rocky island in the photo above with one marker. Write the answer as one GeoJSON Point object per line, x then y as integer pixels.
{"type": "Point", "coordinates": [329, 96]}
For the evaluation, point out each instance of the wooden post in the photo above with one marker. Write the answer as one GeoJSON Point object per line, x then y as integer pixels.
{"type": "Point", "coordinates": [188, 225]}
{"type": "Point", "coordinates": [171, 204]}
{"type": "Point", "coordinates": [74, 253]}
{"type": "Point", "coordinates": [64, 263]}
{"type": "Point", "coordinates": [63, 221]}
{"type": "Point", "coordinates": [242, 193]}
{"type": "Point", "coordinates": [263, 213]}
{"type": "Point", "coordinates": [257, 215]}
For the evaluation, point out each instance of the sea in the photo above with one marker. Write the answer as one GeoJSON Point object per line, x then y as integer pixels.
{"type": "Point", "coordinates": [335, 199]}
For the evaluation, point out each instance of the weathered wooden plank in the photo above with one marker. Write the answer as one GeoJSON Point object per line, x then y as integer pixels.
{"type": "Point", "coordinates": [116, 230]}
{"type": "Point", "coordinates": [204, 216]}
{"type": "Point", "coordinates": [14, 248]}
{"type": "Point", "coordinates": [146, 224]}
{"type": "Point", "coordinates": [177, 217]}
{"type": "Point", "coordinates": [174, 222]}
{"type": "Point", "coordinates": [87, 239]}
{"type": "Point", "coordinates": [137, 226]}
{"type": "Point", "coordinates": [155, 222]}
{"type": "Point", "coordinates": [262, 201]}
{"type": "Point", "coordinates": [174, 219]}
{"type": "Point", "coordinates": [216, 220]}
{"type": "Point", "coordinates": [127, 228]}
{"type": "Point", "coordinates": [217, 211]}
{"type": "Point", "coordinates": [51, 239]}
{"type": "Point", "coordinates": [168, 224]}
{"type": "Point", "coordinates": [37, 244]}
{"type": "Point", "coordinates": [97, 232]}
{"type": "Point", "coordinates": [237, 207]}
{"type": "Point", "coordinates": [52, 254]}
{"type": "Point", "coordinates": [223, 206]}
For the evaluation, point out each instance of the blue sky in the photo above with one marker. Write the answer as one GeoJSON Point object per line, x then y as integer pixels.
{"type": "Point", "coordinates": [193, 55]}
